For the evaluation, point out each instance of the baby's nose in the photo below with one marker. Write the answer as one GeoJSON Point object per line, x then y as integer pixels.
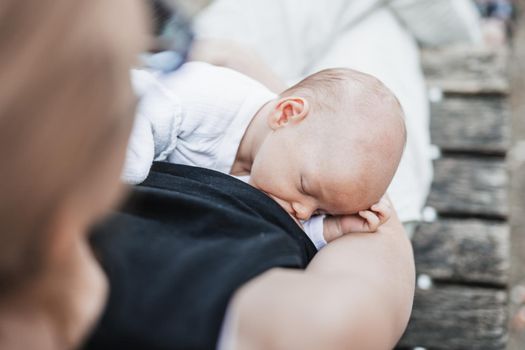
{"type": "Point", "coordinates": [302, 212]}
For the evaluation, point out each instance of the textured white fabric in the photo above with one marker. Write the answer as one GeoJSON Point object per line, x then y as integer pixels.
{"type": "Point", "coordinates": [314, 229]}
{"type": "Point", "coordinates": [299, 37]}
{"type": "Point", "coordinates": [154, 133]}
{"type": "Point", "coordinates": [194, 116]}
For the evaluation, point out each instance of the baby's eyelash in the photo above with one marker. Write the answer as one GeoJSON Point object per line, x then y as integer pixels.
{"type": "Point", "coordinates": [302, 185]}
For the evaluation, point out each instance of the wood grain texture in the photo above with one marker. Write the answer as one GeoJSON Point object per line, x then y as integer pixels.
{"type": "Point", "coordinates": [517, 186]}
{"type": "Point", "coordinates": [473, 124]}
{"type": "Point", "coordinates": [466, 70]}
{"type": "Point", "coordinates": [466, 186]}
{"type": "Point", "coordinates": [453, 318]}
{"type": "Point", "coordinates": [465, 251]}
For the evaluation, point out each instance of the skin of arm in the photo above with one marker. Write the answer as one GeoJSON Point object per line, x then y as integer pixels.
{"type": "Point", "coordinates": [356, 293]}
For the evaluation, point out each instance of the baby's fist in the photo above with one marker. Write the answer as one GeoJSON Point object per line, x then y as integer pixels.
{"type": "Point", "coordinates": [364, 221]}
{"type": "Point", "coordinates": [377, 215]}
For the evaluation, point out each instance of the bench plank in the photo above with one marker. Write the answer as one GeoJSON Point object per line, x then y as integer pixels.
{"type": "Point", "coordinates": [464, 186]}
{"type": "Point", "coordinates": [466, 251]}
{"type": "Point", "coordinates": [473, 124]}
{"type": "Point", "coordinates": [451, 317]}
{"type": "Point", "coordinates": [466, 70]}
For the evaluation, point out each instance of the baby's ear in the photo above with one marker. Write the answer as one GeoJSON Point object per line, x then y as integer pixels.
{"type": "Point", "coordinates": [289, 109]}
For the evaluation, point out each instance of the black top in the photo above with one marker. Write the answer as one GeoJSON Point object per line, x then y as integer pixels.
{"type": "Point", "coordinates": [185, 241]}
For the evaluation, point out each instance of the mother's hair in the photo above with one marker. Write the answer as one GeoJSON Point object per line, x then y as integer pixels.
{"type": "Point", "coordinates": [61, 101]}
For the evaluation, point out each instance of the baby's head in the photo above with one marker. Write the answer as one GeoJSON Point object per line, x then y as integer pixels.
{"type": "Point", "coordinates": [333, 144]}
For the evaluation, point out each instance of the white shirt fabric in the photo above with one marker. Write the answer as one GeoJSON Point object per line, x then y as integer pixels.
{"type": "Point", "coordinates": [194, 116]}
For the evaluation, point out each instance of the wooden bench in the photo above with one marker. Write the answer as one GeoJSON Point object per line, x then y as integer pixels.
{"type": "Point", "coordinates": [464, 253]}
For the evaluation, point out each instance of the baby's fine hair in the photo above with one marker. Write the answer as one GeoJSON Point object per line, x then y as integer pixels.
{"type": "Point", "coordinates": [331, 89]}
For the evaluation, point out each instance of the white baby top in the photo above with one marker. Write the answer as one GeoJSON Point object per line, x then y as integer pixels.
{"type": "Point", "coordinates": [194, 116]}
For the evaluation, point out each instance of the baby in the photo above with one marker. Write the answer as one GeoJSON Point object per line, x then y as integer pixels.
{"type": "Point", "coordinates": [328, 145]}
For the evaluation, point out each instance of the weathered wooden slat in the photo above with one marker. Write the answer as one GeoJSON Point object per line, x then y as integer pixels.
{"type": "Point", "coordinates": [454, 318]}
{"type": "Point", "coordinates": [467, 186]}
{"type": "Point", "coordinates": [466, 251]}
{"type": "Point", "coordinates": [474, 124]}
{"type": "Point", "coordinates": [517, 183]}
{"type": "Point", "coordinates": [466, 70]}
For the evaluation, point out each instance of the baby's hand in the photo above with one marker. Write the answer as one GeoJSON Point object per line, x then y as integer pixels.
{"type": "Point", "coordinates": [364, 221]}
{"type": "Point", "coordinates": [376, 216]}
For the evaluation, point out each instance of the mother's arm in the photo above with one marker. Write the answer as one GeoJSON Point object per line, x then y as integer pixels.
{"type": "Point", "coordinates": [356, 293]}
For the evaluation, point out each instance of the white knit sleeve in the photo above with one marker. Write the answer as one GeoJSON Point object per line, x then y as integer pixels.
{"type": "Point", "coordinates": [154, 133]}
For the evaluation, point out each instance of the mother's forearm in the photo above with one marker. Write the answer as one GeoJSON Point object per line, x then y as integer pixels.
{"type": "Point", "coordinates": [356, 294]}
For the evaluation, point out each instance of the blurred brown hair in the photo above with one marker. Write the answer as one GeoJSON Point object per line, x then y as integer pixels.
{"type": "Point", "coordinates": [63, 74]}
